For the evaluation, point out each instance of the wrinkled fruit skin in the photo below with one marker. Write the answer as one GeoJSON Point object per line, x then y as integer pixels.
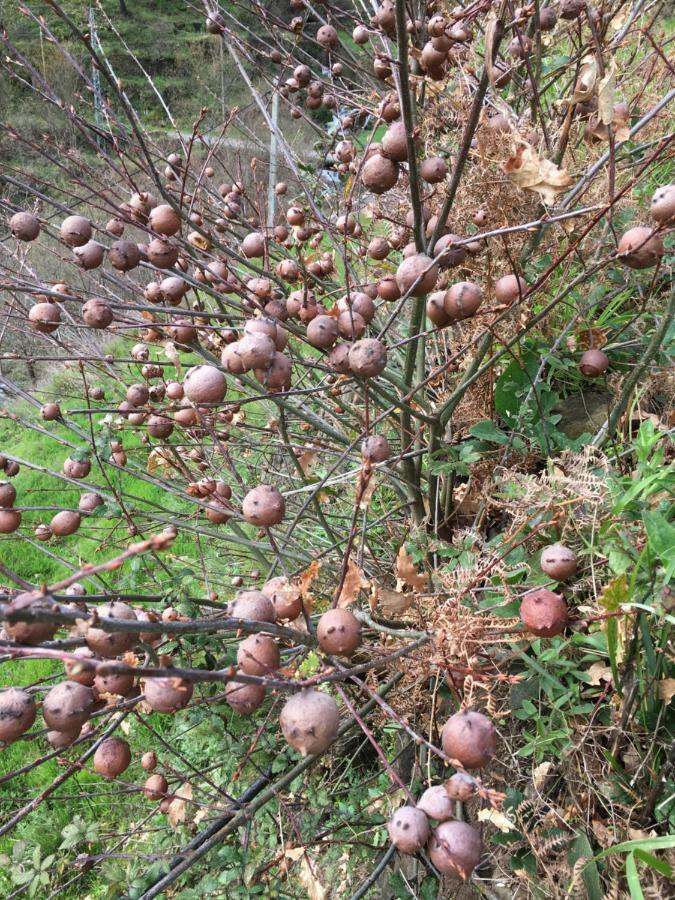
{"type": "Point", "coordinates": [455, 848]}
{"type": "Point", "coordinates": [408, 829]}
{"type": "Point", "coordinates": [309, 721]}
{"type": "Point", "coordinates": [17, 714]}
{"type": "Point", "coordinates": [460, 786]}
{"type": "Point", "coordinates": [167, 695]}
{"type": "Point", "coordinates": [469, 737]}
{"type": "Point", "coordinates": [544, 613]}
{"type": "Point", "coordinates": [112, 757]}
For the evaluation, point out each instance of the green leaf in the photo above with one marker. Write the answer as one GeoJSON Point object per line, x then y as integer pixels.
{"type": "Point", "coordinates": [663, 842]}
{"type": "Point", "coordinates": [654, 862]}
{"type": "Point", "coordinates": [633, 878]}
{"type": "Point", "coordinates": [581, 848]}
{"type": "Point", "coordinates": [488, 431]}
{"type": "Point", "coordinates": [661, 534]}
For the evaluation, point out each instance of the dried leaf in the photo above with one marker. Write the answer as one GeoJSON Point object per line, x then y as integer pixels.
{"type": "Point", "coordinates": [366, 493]}
{"type": "Point", "coordinates": [307, 461]}
{"type": "Point", "coordinates": [173, 355]}
{"type": "Point", "coordinates": [496, 818]}
{"type": "Point", "coordinates": [526, 169]}
{"type": "Point", "coordinates": [489, 42]}
{"type": "Point", "coordinates": [584, 87]}
{"type": "Point", "coordinates": [606, 92]}
{"type": "Point", "coordinates": [667, 689]}
{"type": "Point", "coordinates": [177, 807]}
{"type": "Point", "coordinates": [599, 672]}
{"type": "Point", "coordinates": [621, 122]}
{"type": "Point", "coordinates": [540, 773]}
{"type": "Point", "coordinates": [407, 573]}
{"type": "Point", "coordinates": [351, 588]}
{"type": "Point", "coordinates": [309, 881]}
{"type": "Point", "coordinates": [304, 583]}
{"type": "Point", "coordinates": [391, 603]}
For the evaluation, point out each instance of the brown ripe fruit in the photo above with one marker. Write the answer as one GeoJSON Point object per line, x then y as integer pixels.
{"type": "Point", "coordinates": [65, 523]}
{"type": "Point", "coordinates": [159, 426]}
{"type": "Point", "coordinates": [434, 169]}
{"type": "Point", "coordinates": [417, 275]}
{"type": "Point", "coordinates": [167, 695]}
{"type": "Point", "coordinates": [593, 363]}
{"type": "Point", "coordinates": [44, 317]}
{"type": "Point", "coordinates": [640, 248]}
{"type": "Point", "coordinates": [244, 698]}
{"type": "Point", "coordinates": [89, 502]}
{"type": "Point", "coordinates": [547, 18]}
{"type": "Point", "coordinates": [205, 384]}
{"type": "Point", "coordinates": [276, 376]}
{"type": "Point", "coordinates": [544, 613]}
{"type": "Point", "coordinates": [327, 36]}
{"type": "Point", "coordinates": [376, 448]}
{"type": "Point", "coordinates": [388, 289]}
{"type": "Point", "coordinates": [76, 468]}
{"type": "Point", "coordinates": [322, 332]}
{"type": "Point", "coordinates": [509, 288]}
{"type": "Point", "coordinates": [149, 761]}
{"type": "Point", "coordinates": [436, 803]}
{"type": "Point", "coordinates": [394, 143]}
{"type": "Point", "coordinates": [10, 519]}
{"type": "Point", "coordinates": [379, 174]}
{"type": "Point", "coordinates": [558, 561]}
{"type": "Point", "coordinates": [338, 632]}
{"type": "Point", "coordinates": [263, 506]}
{"type": "Point", "coordinates": [115, 227]}
{"type": "Point", "coordinates": [436, 309]}
{"type": "Point", "coordinates": [164, 220]}
{"type": "Point", "coordinates": [338, 359]}
{"type": "Point", "coordinates": [253, 245]}
{"type": "Point", "coordinates": [161, 253]}
{"type": "Point", "coordinates": [60, 739]}
{"type": "Point", "coordinates": [469, 737]}
{"type": "Point", "coordinates": [30, 633]}
{"type": "Point", "coordinates": [460, 786]}
{"type": "Point", "coordinates": [24, 226]}
{"type": "Point", "coordinates": [82, 670]}
{"type": "Point", "coordinates": [309, 721]}
{"type": "Point", "coordinates": [360, 303]}
{"type": "Point", "coordinates": [67, 706]}
{"type": "Point", "coordinates": [89, 256]}
{"type": "Point", "coordinates": [96, 313]}
{"type": "Point", "coordinates": [286, 598]}
{"type": "Point", "coordinates": [138, 394]}
{"type": "Point", "coordinates": [112, 643]}
{"type": "Point", "coordinates": [446, 251]}
{"type": "Point", "coordinates": [50, 412]}
{"type": "Point", "coordinates": [17, 714]}
{"type": "Point", "coordinates": [662, 206]}
{"type": "Point", "coordinates": [155, 787]}
{"type": "Point", "coordinates": [112, 757]}
{"type": "Point", "coordinates": [253, 605]}
{"type": "Point", "coordinates": [367, 357]}
{"type": "Point", "coordinates": [462, 300]}
{"type": "Point", "coordinates": [258, 654]}
{"type": "Point", "coordinates": [379, 248]}
{"type": "Point", "coordinates": [455, 848]}
{"type": "Point", "coordinates": [408, 829]}
{"type": "Point", "coordinates": [75, 231]}
{"type": "Point", "coordinates": [7, 494]}
{"type": "Point", "coordinates": [120, 685]}
{"type": "Point", "coordinates": [124, 255]}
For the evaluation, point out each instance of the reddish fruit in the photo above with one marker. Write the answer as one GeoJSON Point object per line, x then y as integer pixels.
{"type": "Point", "coordinates": [244, 698]}
{"type": "Point", "coordinates": [167, 695]}
{"type": "Point", "coordinates": [263, 506]}
{"type": "Point", "coordinates": [112, 643]}
{"type": "Point", "coordinates": [544, 613]}
{"type": "Point", "coordinates": [594, 363]}
{"type": "Point", "coordinates": [470, 738]}
{"type": "Point", "coordinates": [339, 632]}
{"type": "Point", "coordinates": [460, 786]}
{"type": "Point", "coordinates": [436, 803]}
{"type": "Point", "coordinates": [112, 757]}
{"type": "Point", "coordinates": [640, 248]}
{"type": "Point", "coordinates": [258, 654]}
{"type": "Point", "coordinates": [408, 829]}
{"type": "Point", "coordinates": [558, 561]}
{"type": "Point", "coordinates": [17, 714]}
{"type": "Point", "coordinates": [252, 605]}
{"type": "Point", "coordinates": [309, 721]}
{"type": "Point", "coordinates": [67, 706]}
{"type": "Point", "coordinates": [455, 848]}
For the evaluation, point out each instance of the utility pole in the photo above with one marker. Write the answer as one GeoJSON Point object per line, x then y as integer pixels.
{"type": "Point", "coordinates": [272, 180]}
{"type": "Point", "coordinates": [96, 79]}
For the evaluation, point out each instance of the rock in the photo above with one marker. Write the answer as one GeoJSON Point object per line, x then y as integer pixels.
{"type": "Point", "coordinates": [583, 413]}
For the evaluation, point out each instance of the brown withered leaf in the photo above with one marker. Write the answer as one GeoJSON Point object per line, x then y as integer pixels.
{"type": "Point", "coordinates": [366, 493]}
{"type": "Point", "coordinates": [529, 171]}
{"type": "Point", "coordinates": [351, 588]}
{"type": "Point", "coordinates": [407, 573]}
{"type": "Point", "coordinates": [489, 42]}
{"type": "Point", "coordinates": [584, 87]}
{"type": "Point", "coordinates": [177, 807]}
{"type": "Point", "coordinates": [305, 582]}
{"type": "Point", "coordinates": [307, 461]}
{"type": "Point", "coordinates": [390, 603]}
